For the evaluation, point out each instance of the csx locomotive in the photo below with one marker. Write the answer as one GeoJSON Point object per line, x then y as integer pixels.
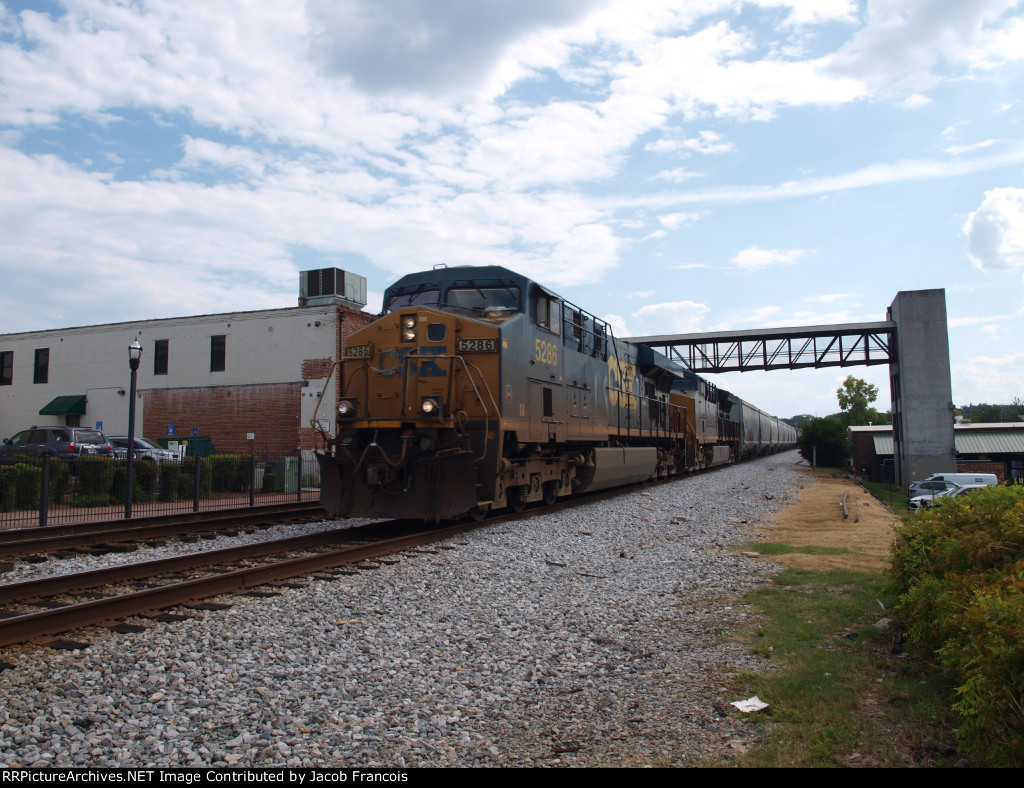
{"type": "Point", "coordinates": [478, 389]}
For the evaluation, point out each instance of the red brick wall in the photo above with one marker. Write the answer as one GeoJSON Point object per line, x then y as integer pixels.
{"type": "Point", "coordinates": [227, 413]}
{"type": "Point", "coordinates": [998, 468]}
{"type": "Point", "coordinates": [316, 368]}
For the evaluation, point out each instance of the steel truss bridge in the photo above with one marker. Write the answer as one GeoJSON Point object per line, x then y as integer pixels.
{"type": "Point", "coordinates": [850, 344]}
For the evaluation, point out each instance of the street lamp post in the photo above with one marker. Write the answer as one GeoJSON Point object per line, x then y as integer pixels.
{"type": "Point", "coordinates": [134, 356]}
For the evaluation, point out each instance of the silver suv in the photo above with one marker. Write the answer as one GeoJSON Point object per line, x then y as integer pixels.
{"type": "Point", "coordinates": [66, 443]}
{"type": "Point", "coordinates": [144, 449]}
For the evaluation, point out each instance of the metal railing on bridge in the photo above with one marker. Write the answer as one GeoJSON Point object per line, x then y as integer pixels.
{"type": "Point", "coordinates": [802, 347]}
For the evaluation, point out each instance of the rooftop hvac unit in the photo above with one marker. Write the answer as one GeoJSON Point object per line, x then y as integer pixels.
{"type": "Point", "coordinates": [327, 285]}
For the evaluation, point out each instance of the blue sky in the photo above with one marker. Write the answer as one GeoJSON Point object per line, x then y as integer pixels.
{"type": "Point", "coordinates": [670, 166]}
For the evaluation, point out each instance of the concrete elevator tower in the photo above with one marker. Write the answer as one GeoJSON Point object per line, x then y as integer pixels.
{"type": "Point", "coordinates": [922, 393]}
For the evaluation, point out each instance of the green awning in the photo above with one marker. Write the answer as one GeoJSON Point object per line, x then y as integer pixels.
{"type": "Point", "coordinates": [68, 405]}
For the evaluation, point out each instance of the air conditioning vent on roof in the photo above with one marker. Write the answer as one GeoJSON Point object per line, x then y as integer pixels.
{"type": "Point", "coordinates": [328, 285]}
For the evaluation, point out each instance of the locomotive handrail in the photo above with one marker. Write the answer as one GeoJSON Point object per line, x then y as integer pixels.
{"type": "Point", "coordinates": [314, 422]}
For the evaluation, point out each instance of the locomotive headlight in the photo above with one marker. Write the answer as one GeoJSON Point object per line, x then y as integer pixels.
{"type": "Point", "coordinates": [409, 328]}
{"type": "Point", "coordinates": [429, 407]}
{"type": "Point", "coordinates": [347, 408]}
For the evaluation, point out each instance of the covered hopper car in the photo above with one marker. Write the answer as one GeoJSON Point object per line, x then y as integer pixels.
{"type": "Point", "coordinates": [478, 389]}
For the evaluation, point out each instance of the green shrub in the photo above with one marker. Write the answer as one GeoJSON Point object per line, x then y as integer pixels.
{"type": "Point", "coordinates": [29, 482]}
{"type": "Point", "coordinates": [8, 488]}
{"type": "Point", "coordinates": [144, 473]}
{"type": "Point", "coordinates": [171, 481]}
{"type": "Point", "coordinates": [186, 479]}
{"type": "Point", "coordinates": [231, 472]}
{"type": "Point", "coordinates": [829, 437]}
{"type": "Point", "coordinates": [60, 480]}
{"type": "Point", "coordinates": [95, 476]}
{"type": "Point", "coordinates": [21, 483]}
{"type": "Point", "coordinates": [93, 499]}
{"type": "Point", "coordinates": [958, 575]}
{"type": "Point", "coordinates": [269, 483]}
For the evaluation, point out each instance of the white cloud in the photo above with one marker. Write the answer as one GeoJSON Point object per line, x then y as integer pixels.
{"type": "Point", "coordinates": [427, 45]}
{"type": "Point", "coordinates": [956, 150]}
{"type": "Point", "coordinates": [754, 257]}
{"type": "Point", "coordinates": [761, 316]}
{"type": "Point", "coordinates": [813, 12]}
{"type": "Point", "coordinates": [673, 221]}
{"type": "Point", "coordinates": [870, 176]}
{"type": "Point", "coordinates": [504, 133]}
{"type": "Point", "coordinates": [678, 175]}
{"type": "Point", "coordinates": [829, 298]}
{"type": "Point", "coordinates": [672, 317]}
{"type": "Point", "coordinates": [979, 320]}
{"type": "Point", "coordinates": [618, 324]}
{"type": "Point", "coordinates": [904, 43]}
{"type": "Point", "coordinates": [706, 142]}
{"type": "Point", "coordinates": [989, 378]}
{"type": "Point", "coordinates": [995, 231]}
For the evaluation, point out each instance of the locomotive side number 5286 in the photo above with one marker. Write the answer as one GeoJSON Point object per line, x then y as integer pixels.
{"type": "Point", "coordinates": [545, 352]}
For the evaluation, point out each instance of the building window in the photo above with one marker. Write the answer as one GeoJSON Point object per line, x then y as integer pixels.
{"type": "Point", "coordinates": [7, 368]}
{"type": "Point", "coordinates": [160, 357]}
{"type": "Point", "coordinates": [217, 349]}
{"type": "Point", "coordinates": [42, 370]}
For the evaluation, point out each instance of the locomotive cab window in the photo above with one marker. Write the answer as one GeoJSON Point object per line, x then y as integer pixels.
{"type": "Point", "coordinates": [547, 310]}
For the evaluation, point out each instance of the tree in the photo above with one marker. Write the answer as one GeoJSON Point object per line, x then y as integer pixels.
{"type": "Point", "coordinates": [828, 436]}
{"type": "Point", "coordinates": [855, 398]}
{"type": "Point", "coordinates": [984, 413]}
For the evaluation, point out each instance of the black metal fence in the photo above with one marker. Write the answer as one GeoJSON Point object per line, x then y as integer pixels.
{"type": "Point", "coordinates": [48, 491]}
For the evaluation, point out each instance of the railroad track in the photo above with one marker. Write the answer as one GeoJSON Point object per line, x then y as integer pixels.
{"type": "Point", "coordinates": [57, 538]}
{"type": "Point", "coordinates": [223, 572]}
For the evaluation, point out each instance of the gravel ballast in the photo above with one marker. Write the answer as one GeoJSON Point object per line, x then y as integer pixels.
{"type": "Point", "coordinates": [590, 637]}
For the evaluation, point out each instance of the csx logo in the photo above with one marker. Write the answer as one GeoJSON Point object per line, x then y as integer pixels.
{"type": "Point", "coordinates": [393, 362]}
{"type": "Point", "coordinates": [621, 377]}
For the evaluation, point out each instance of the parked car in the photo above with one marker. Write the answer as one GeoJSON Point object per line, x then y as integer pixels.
{"type": "Point", "coordinates": [144, 449]}
{"type": "Point", "coordinates": [924, 501]}
{"type": "Point", "coordinates": [959, 479]}
{"type": "Point", "coordinates": [67, 443]}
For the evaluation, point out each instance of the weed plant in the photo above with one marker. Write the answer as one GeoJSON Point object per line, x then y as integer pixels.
{"type": "Point", "coordinates": [958, 575]}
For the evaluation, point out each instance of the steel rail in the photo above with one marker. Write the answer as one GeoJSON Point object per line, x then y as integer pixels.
{"type": "Point", "coordinates": [30, 590]}
{"type": "Point", "coordinates": [18, 629]}
{"type": "Point", "coordinates": [25, 541]}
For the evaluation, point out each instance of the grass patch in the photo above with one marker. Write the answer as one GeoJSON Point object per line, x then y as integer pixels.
{"type": "Point", "coordinates": [894, 496]}
{"type": "Point", "coordinates": [779, 548]}
{"type": "Point", "coordinates": [838, 697]}
{"type": "Point", "coordinates": [891, 495]}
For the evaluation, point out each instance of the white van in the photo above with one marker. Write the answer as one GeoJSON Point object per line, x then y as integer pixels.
{"type": "Point", "coordinates": [939, 481]}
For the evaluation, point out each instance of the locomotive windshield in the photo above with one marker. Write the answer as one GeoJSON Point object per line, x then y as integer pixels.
{"type": "Point", "coordinates": [484, 299]}
{"type": "Point", "coordinates": [418, 296]}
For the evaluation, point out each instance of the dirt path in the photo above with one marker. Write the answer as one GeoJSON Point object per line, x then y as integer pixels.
{"type": "Point", "coordinates": [817, 520]}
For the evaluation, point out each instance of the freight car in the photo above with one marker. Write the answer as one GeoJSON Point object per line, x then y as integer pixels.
{"type": "Point", "coordinates": [477, 389]}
